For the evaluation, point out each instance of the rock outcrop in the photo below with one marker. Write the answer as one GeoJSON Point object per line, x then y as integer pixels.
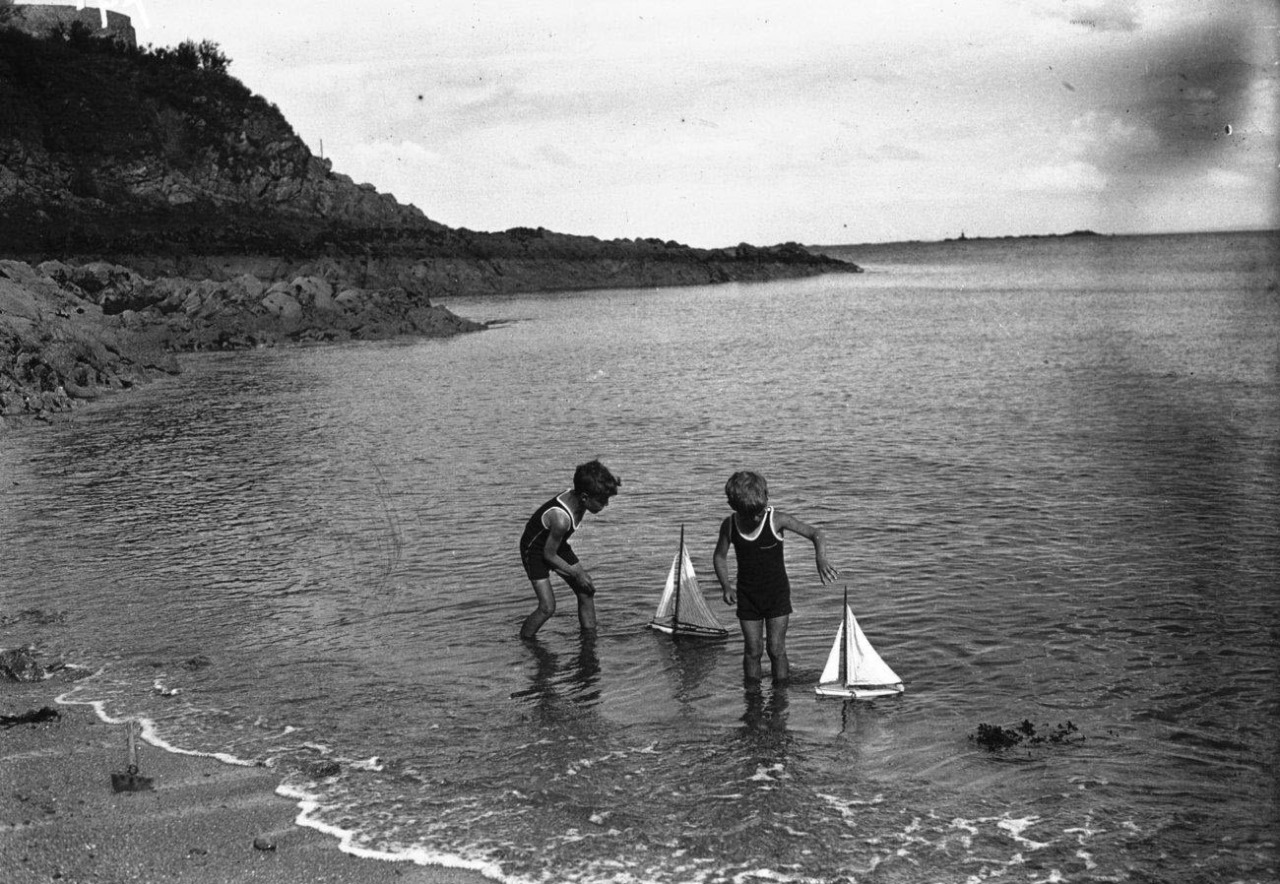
{"type": "Point", "coordinates": [56, 347]}
{"type": "Point", "coordinates": [68, 332]}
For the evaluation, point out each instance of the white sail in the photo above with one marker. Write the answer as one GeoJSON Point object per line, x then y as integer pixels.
{"type": "Point", "coordinates": [682, 609]}
{"type": "Point", "coordinates": [854, 669]}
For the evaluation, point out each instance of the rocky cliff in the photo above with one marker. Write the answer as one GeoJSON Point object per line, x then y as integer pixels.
{"type": "Point", "coordinates": [160, 156]}
{"type": "Point", "coordinates": [108, 149]}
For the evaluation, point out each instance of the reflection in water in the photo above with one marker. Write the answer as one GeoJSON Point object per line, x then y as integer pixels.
{"type": "Point", "coordinates": [690, 661]}
{"type": "Point", "coordinates": [581, 677]}
{"type": "Point", "coordinates": [765, 718]}
{"type": "Point", "coordinates": [586, 673]}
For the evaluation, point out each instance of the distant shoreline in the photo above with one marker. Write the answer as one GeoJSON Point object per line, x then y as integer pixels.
{"type": "Point", "coordinates": [1075, 234]}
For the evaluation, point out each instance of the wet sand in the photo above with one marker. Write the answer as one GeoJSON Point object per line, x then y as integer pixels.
{"type": "Point", "coordinates": [202, 821]}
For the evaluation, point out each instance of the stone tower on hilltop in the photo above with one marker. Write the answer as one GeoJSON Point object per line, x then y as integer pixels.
{"type": "Point", "coordinates": [41, 20]}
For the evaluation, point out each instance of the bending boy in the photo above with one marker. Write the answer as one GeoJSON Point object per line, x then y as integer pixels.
{"type": "Point", "coordinates": [544, 546]}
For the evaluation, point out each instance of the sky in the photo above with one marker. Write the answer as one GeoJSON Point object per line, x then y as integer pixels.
{"type": "Point", "coordinates": [814, 121]}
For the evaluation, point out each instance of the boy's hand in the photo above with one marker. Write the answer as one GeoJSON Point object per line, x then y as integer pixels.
{"type": "Point", "coordinates": [827, 573]}
{"type": "Point", "coordinates": [581, 581]}
{"type": "Point", "coordinates": [730, 596]}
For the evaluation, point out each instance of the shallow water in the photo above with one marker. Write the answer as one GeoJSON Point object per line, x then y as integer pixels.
{"type": "Point", "coordinates": [1048, 469]}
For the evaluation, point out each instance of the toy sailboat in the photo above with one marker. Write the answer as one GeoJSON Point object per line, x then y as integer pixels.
{"type": "Point", "coordinates": [682, 609]}
{"type": "Point", "coordinates": [854, 669]}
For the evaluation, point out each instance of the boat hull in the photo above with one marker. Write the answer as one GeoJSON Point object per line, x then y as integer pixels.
{"type": "Point", "coordinates": [850, 692]}
{"type": "Point", "coordinates": [699, 631]}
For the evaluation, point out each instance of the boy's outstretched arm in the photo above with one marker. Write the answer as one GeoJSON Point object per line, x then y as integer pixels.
{"type": "Point", "coordinates": [827, 573]}
{"type": "Point", "coordinates": [720, 561]}
{"type": "Point", "coordinates": [575, 575]}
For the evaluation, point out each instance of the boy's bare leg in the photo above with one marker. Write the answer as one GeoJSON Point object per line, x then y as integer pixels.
{"type": "Point", "coordinates": [586, 612]}
{"type": "Point", "coordinates": [777, 647]}
{"type": "Point", "coordinates": [541, 614]}
{"type": "Point", "coordinates": [752, 648]}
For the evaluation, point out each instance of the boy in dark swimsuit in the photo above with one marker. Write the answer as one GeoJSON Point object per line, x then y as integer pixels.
{"type": "Point", "coordinates": [763, 594]}
{"type": "Point", "coordinates": [544, 546]}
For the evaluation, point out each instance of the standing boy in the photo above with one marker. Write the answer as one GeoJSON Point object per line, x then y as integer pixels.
{"type": "Point", "coordinates": [763, 595]}
{"type": "Point", "coordinates": [544, 546]}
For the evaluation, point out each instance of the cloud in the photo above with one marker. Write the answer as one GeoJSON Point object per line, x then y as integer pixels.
{"type": "Point", "coordinates": [1124, 16]}
{"type": "Point", "coordinates": [1106, 136]}
{"type": "Point", "coordinates": [1189, 100]}
{"type": "Point", "coordinates": [1203, 80]}
{"type": "Point", "coordinates": [553, 155]}
{"type": "Point", "coordinates": [392, 166]}
{"type": "Point", "coordinates": [1157, 106]}
{"type": "Point", "coordinates": [1070, 177]}
{"type": "Point", "coordinates": [1228, 179]}
{"type": "Point", "coordinates": [1107, 15]}
{"type": "Point", "coordinates": [897, 152]}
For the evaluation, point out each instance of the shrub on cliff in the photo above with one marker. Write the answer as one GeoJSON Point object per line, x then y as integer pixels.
{"type": "Point", "coordinates": [92, 99]}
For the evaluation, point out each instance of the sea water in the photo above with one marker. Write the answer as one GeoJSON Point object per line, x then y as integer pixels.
{"type": "Point", "coordinates": [1049, 474]}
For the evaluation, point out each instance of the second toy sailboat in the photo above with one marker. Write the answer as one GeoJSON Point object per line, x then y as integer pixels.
{"type": "Point", "coordinates": [854, 670]}
{"type": "Point", "coordinates": [682, 609]}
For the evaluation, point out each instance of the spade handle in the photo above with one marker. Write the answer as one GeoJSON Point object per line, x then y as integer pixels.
{"type": "Point", "coordinates": [133, 748]}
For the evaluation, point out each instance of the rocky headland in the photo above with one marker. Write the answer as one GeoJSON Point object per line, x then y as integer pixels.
{"type": "Point", "coordinates": [150, 205]}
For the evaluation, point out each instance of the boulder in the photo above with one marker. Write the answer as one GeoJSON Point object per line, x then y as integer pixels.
{"type": "Point", "coordinates": [283, 305]}
{"type": "Point", "coordinates": [17, 301]}
{"type": "Point", "coordinates": [20, 664]}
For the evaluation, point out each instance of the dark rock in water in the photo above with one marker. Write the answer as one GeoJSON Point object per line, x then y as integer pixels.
{"type": "Point", "coordinates": [994, 737]}
{"type": "Point", "coordinates": [19, 664]}
{"type": "Point", "coordinates": [262, 842]}
{"type": "Point", "coordinates": [34, 616]}
{"type": "Point", "coordinates": [200, 661]}
{"type": "Point", "coordinates": [35, 716]}
{"type": "Point", "coordinates": [321, 769]}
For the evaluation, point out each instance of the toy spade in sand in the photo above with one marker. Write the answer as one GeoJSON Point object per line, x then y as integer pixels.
{"type": "Point", "coordinates": [129, 781]}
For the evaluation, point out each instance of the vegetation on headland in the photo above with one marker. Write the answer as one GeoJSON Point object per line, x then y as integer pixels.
{"type": "Point", "coordinates": [151, 203]}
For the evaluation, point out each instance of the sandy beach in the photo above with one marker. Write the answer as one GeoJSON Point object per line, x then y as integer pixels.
{"type": "Point", "coordinates": [202, 820]}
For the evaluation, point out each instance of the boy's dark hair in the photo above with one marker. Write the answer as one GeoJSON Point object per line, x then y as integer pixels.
{"type": "Point", "coordinates": [595, 480]}
{"type": "Point", "coordinates": [748, 492]}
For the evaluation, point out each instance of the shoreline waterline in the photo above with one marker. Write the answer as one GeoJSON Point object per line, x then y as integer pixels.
{"type": "Point", "coordinates": [305, 802]}
{"type": "Point", "coordinates": [206, 816]}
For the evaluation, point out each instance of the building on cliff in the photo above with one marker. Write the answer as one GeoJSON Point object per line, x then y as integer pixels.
{"type": "Point", "coordinates": [43, 19]}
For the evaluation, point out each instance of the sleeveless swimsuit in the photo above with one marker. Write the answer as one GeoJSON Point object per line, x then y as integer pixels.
{"type": "Point", "coordinates": [764, 591]}
{"type": "Point", "coordinates": [534, 540]}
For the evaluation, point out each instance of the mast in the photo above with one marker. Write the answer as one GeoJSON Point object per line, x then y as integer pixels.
{"type": "Point", "coordinates": [844, 638]}
{"type": "Point", "coordinates": [675, 617]}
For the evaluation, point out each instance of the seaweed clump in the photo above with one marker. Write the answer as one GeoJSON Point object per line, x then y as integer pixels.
{"type": "Point", "coordinates": [34, 716]}
{"type": "Point", "coordinates": [994, 737]}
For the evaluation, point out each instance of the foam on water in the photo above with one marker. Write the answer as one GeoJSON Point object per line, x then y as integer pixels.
{"type": "Point", "coordinates": [147, 730]}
